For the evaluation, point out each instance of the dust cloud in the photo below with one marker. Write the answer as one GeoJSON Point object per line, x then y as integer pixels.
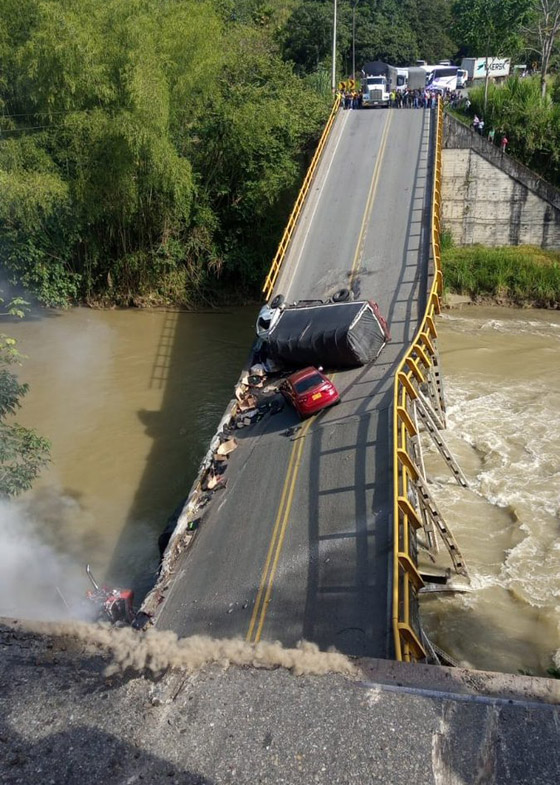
{"type": "Point", "coordinates": [156, 651]}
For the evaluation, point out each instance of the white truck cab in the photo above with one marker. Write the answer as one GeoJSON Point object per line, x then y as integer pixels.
{"type": "Point", "coordinates": [462, 77]}
{"type": "Point", "coordinates": [375, 91]}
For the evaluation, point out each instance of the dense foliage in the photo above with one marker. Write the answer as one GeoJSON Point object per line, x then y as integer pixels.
{"type": "Point", "coordinates": [147, 145]}
{"type": "Point", "coordinates": [491, 27]}
{"type": "Point", "coordinates": [530, 122]}
{"type": "Point", "coordinates": [152, 148]}
{"type": "Point", "coordinates": [396, 31]}
{"type": "Point", "coordinates": [23, 453]}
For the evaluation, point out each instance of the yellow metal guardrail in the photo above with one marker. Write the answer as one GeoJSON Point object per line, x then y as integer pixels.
{"type": "Point", "coordinates": [411, 372]}
{"type": "Point", "coordinates": [289, 230]}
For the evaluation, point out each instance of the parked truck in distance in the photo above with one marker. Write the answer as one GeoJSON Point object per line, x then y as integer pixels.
{"type": "Point", "coordinates": [382, 78]}
{"type": "Point", "coordinates": [498, 67]}
{"type": "Point", "coordinates": [375, 91]}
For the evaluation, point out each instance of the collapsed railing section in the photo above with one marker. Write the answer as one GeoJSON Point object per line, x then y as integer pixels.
{"type": "Point", "coordinates": [272, 276]}
{"type": "Point", "coordinates": [417, 373]}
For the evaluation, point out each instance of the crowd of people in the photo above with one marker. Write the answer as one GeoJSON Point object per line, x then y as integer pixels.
{"type": "Point", "coordinates": [413, 99]}
{"type": "Point", "coordinates": [351, 99]}
{"type": "Point", "coordinates": [398, 99]}
{"type": "Point", "coordinates": [427, 99]}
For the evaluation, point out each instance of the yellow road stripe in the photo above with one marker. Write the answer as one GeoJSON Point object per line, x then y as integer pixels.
{"type": "Point", "coordinates": [272, 543]}
{"type": "Point", "coordinates": [371, 197]}
{"type": "Point", "coordinates": [282, 531]}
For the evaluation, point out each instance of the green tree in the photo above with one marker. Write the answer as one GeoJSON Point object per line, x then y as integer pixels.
{"type": "Point", "coordinates": [532, 123]}
{"type": "Point", "coordinates": [395, 31]}
{"type": "Point", "coordinates": [23, 453]}
{"type": "Point", "coordinates": [490, 28]}
{"type": "Point", "coordinates": [542, 34]}
{"type": "Point", "coordinates": [105, 138]}
{"type": "Point", "coordinates": [307, 35]}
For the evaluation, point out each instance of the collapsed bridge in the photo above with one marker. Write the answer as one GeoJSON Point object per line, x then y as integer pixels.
{"type": "Point", "coordinates": [315, 534]}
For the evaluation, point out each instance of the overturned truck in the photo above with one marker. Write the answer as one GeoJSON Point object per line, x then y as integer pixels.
{"type": "Point", "coordinates": [333, 335]}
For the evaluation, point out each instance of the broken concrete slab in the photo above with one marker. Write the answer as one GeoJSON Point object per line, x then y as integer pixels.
{"type": "Point", "coordinates": [227, 447]}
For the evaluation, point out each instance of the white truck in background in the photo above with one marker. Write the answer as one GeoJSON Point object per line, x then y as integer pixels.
{"type": "Point", "coordinates": [375, 91]}
{"type": "Point", "coordinates": [498, 67]}
{"type": "Point", "coordinates": [380, 79]}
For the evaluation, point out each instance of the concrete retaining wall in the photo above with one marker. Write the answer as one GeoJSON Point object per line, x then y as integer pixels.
{"type": "Point", "coordinates": [490, 198]}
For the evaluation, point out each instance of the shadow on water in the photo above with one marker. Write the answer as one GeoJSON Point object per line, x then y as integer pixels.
{"type": "Point", "coordinates": [198, 361]}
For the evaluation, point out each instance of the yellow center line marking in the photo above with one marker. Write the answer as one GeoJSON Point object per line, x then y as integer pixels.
{"type": "Point", "coordinates": [272, 543]}
{"type": "Point", "coordinates": [371, 196]}
{"type": "Point", "coordinates": [282, 518]}
{"type": "Point", "coordinates": [282, 532]}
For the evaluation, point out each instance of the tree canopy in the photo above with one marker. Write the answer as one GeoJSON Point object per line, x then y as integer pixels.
{"type": "Point", "coordinates": [151, 150]}
{"type": "Point", "coordinates": [23, 453]}
{"type": "Point", "coordinates": [142, 142]}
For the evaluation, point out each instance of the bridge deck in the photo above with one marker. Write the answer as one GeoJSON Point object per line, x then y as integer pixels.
{"type": "Point", "coordinates": [299, 543]}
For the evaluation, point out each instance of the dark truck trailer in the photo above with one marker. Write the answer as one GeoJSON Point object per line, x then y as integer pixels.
{"type": "Point", "coordinates": [333, 335]}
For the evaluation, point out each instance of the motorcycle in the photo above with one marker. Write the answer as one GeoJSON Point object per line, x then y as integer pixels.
{"type": "Point", "coordinates": [111, 604]}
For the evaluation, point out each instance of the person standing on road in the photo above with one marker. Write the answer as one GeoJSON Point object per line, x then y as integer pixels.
{"type": "Point", "coordinates": [504, 143]}
{"type": "Point", "coordinates": [491, 135]}
{"type": "Point", "coordinates": [475, 122]}
{"type": "Point", "coordinates": [480, 126]}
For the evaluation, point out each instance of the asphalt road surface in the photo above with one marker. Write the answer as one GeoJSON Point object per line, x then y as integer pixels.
{"type": "Point", "coordinates": [299, 544]}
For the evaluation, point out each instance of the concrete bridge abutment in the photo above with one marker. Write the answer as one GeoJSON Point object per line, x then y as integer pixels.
{"type": "Point", "coordinates": [491, 199]}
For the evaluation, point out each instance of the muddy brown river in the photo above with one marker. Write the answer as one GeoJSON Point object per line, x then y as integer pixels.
{"type": "Point", "coordinates": [130, 400]}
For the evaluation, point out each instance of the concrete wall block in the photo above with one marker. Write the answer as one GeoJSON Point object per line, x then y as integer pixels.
{"type": "Point", "coordinates": [486, 200]}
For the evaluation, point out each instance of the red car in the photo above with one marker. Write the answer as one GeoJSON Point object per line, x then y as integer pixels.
{"type": "Point", "coordinates": [309, 391]}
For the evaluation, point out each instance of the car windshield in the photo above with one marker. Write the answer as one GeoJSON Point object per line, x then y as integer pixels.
{"type": "Point", "coordinates": [308, 383]}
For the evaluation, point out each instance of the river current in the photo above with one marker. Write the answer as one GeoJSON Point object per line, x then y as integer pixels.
{"type": "Point", "coordinates": [502, 382]}
{"type": "Point", "coordinates": [130, 400]}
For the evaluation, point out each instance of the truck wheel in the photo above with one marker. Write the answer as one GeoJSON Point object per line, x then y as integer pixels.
{"type": "Point", "coordinates": [277, 301]}
{"type": "Point", "coordinates": [342, 296]}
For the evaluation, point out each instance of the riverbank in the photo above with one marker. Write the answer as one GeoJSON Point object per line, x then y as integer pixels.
{"type": "Point", "coordinates": [64, 718]}
{"type": "Point", "coordinates": [526, 276]}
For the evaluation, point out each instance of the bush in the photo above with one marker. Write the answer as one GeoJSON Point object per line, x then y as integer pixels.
{"type": "Point", "coordinates": [531, 123]}
{"type": "Point", "coordinates": [522, 274]}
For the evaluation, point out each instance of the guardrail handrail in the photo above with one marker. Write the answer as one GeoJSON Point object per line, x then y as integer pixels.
{"type": "Point", "coordinates": [272, 276]}
{"type": "Point", "coordinates": [410, 373]}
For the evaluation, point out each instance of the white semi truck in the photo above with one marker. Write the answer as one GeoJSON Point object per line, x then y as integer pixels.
{"type": "Point", "coordinates": [375, 91]}
{"type": "Point", "coordinates": [498, 67]}
{"type": "Point", "coordinates": [380, 79]}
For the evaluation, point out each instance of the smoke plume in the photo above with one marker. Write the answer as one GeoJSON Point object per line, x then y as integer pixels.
{"type": "Point", "coordinates": [36, 580]}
